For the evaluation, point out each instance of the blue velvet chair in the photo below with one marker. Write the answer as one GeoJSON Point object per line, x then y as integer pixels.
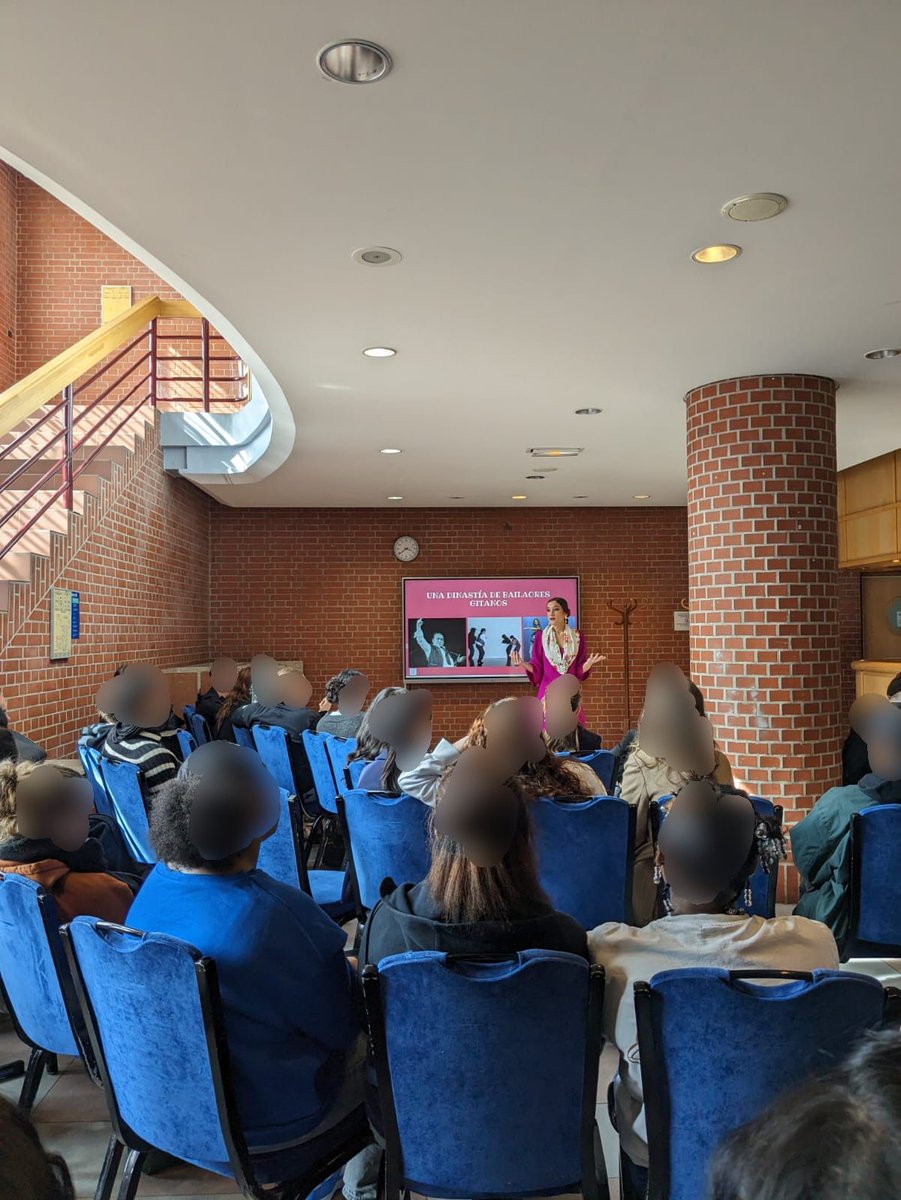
{"type": "Point", "coordinates": [496, 1097]}
{"type": "Point", "coordinates": [187, 712]}
{"type": "Point", "coordinates": [34, 979]}
{"type": "Point", "coordinates": [585, 857]}
{"type": "Point", "coordinates": [763, 885]}
{"type": "Point", "coordinates": [163, 1059]}
{"type": "Point", "coordinates": [90, 760]}
{"type": "Point", "coordinates": [718, 1046]}
{"type": "Point", "coordinates": [123, 783]}
{"type": "Point", "coordinates": [283, 857]}
{"type": "Point", "coordinates": [387, 838]}
{"type": "Point", "coordinates": [324, 781]}
{"type": "Point", "coordinates": [353, 771]}
{"type": "Point", "coordinates": [271, 742]}
{"type": "Point", "coordinates": [603, 763]}
{"type": "Point", "coordinates": [187, 742]}
{"type": "Point", "coordinates": [875, 892]}
{"type": "Point", "coordinates": [244, 737]}
{"type": "Point", "coordinates": [200, 728]}
{"type": "Point", "coordinates": [338, 750]}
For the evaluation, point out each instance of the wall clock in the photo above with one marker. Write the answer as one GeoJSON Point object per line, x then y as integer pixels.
{"type": "Point", "coordinates": [406, 549]}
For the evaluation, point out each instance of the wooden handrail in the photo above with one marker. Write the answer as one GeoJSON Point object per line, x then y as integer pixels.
{"type": "Point", "coordinates": [45, 384]}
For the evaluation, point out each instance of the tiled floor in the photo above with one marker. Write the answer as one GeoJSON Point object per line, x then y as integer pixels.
{"type": "Point", "coordinates": [71, 1117]}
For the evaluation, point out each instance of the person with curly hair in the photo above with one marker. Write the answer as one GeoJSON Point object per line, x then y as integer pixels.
{"type": "Point", "coordinates": [333, 720]}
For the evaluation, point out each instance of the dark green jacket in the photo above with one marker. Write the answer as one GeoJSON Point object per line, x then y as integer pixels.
{"type": "Point", "coordinates": [821, 847]}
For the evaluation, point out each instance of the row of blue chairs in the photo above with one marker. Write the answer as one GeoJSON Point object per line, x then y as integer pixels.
{"type": "Point", "coordinates": [497, 1100]}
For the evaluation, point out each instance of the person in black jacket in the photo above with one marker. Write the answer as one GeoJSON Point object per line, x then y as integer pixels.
{"type": "Point", "coordinates": [855, 759]}
{"type": "Point", "coordinates": [26, 749]}
{"type": "Point", "coordinates": [287, 709]}
{"type": "Point", "coordinates": [461, 907]}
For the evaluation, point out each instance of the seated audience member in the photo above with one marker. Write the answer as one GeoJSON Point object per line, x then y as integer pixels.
{"type": "Point", "coordinates": [27, 1171]}
{"type": "Point", "coordinates": [672, 704]}
{"type": "Point", "coordinates": [711, 842]}
{"type": "Point", "coordinates": [223, 676]}
{"type": "Point", "coordinates": [46, 835]}
{"type": "Point", "coordinates": [621, 750]}
{"type": "Point", "coordinates": [236, 698]}
{"type": "Point", "coordinates": [9, 751]}
{"type": "Point", "coordinates": [345, 695]}
{"type": "Point", "coordinates": [381, 772]}
{"type": "Point", "coordinates": [855, 761]}
{"type": "Point", "coordinates": [26, 749]}
{"type": "Point", "coordinates": [95, 735]}
{"type": "Point", "coordinates": [840, 1136]}
{"type": "Point", "coordinates": [289, 995]}
{"type": "Point", "coordinates": [282, 698]}
{"type": "Point", "coordinates": [821, 842]}
{"type": "Point", "coordinates": [562, 705]}
{"type": "Point", "coordinates": [482, 894]}
{"type": "Point", "coordinates": [140, 699]}
{"type": "Point", "coordinates": [562, 778]}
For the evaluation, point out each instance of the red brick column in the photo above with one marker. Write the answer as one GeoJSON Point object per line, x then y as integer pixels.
{"type": "Point", "coordinates": [763, 581]}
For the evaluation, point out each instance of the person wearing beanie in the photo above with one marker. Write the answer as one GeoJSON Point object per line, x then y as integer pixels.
{"type": "Point", "coordinates": [709, 846]}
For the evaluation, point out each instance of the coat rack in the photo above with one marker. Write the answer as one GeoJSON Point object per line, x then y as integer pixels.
{"type": "Point", "coordinates": [625, 620]}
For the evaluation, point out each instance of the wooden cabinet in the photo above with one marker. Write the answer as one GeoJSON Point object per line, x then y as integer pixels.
{"type": "Point", "coordinates": [869, 513]}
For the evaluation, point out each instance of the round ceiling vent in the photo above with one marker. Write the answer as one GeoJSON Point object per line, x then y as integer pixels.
{"type": "Point", "coordinates": [377, 256]}
{"type": "Point", "coordinates": [759, 206]}
{"type": "Point", "coordinates": [354, 61]}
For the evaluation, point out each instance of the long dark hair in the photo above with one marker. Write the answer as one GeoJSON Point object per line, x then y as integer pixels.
{"type": "Point", "coordinates": [465, 894]}
{"type": "Point", "coordinates": [369, 747]}
{"type": "Point", "coordinates": [236, 698]}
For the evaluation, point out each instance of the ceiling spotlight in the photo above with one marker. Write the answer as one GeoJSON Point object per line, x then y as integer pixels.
{"type": "Point", "coordinates": [555, 451]}
{"type": "Point", "coordinates": [377, 256]}
{"type": "Point", "coordinates": [519, 497]}
{"type": "Point", "coordinates": [641, 496]}
{"type": "Point", "coordinates": [580, 497]}
{"type": "Point", "coordinates": [456, 497]}
{"type": "Point", "coordinates": [877, 354]}
{"type": "Point", "coordinates": [759, 206]}
{"type": "Point", "coordinates": [588, 412]}
{"type": "Point", "coordinates": [379, 352]}
{"type": "Point", "coordinates": [395, 497]}
{"type": "Point", "coordinates": [535, 477]}
{"type": "Point", "coordinates": [354, 61]}
{"type": "Point", "coordinates": [391, 450]}
{"type": "Point", "coordinates": [716, 254]}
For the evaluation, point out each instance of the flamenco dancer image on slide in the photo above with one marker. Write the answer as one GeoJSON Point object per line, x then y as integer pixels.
{"type": "Point", "coordinates": [435, 651]}
{"type": "Point", "coordinates": [558, 650]}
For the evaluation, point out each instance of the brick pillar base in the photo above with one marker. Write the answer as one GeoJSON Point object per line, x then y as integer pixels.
{"type": "Point", "coordinates": [763, 583]}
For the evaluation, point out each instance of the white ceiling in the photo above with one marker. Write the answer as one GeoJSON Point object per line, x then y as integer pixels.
{"type": "Point", "coordinates": [545, 170]}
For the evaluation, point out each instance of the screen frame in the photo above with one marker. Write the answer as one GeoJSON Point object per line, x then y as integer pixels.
{"type": "Point", "coordinates": [507, 676]}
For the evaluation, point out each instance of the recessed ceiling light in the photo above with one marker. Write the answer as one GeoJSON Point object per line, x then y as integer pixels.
{"type": "Point", "coordinates": [580, 497]}
{"type": "Point", "coordinates": [354, 61]}
{"type": "Point", "coordinates": [588, 412]}
{"type": "Point", "coordinates": [716, 254]}
{"type": "Point", "coordinates": [377, 256]}
{"type": "Point", "coordinates": [535, 477]}
{"type": "Point", "coordinates": [759, 206]}
{"type": "Point", "coordinates": [519, 497]}
{"type": "Point", "coordinates": [641, 496]}
{"type": "Point", "coordinates": [555, 451]}
{"type": "Point", "coordinates": [391, 450]}
{"type": "Point", "coordinates": [876, 354]}
{"type": "Point", "coordinates": [379, 352]}
{"type": "Point", "coordinates": [395, 497]}
{"type": "Point", "coordinates": [456, 497]}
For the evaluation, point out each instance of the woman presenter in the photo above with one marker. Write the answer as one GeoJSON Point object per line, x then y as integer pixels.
{"type": "Point", "coordinates": [558, 650]}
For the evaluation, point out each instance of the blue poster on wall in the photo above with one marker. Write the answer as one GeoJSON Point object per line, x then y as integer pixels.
{"type": "Point", "coordinates": [76, 615]}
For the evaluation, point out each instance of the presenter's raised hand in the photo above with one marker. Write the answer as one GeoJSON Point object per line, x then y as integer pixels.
{"type": "Point", "coordinates": [593, 659]}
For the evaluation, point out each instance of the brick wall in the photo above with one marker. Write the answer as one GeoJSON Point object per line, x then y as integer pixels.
{"type": "Point", "coordinates": [763, 553]}
{"type": "Point", "coordinates": [9, 183]}
{"type": "Point", "coordinates": [850, 621]}
{"type": "Point", "coordinates": [141, 565]}
{"type": "Point", "coordinates": [323, 585]}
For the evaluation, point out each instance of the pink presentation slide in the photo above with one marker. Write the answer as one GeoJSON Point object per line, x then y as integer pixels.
{"type": "Point", "coordinates": [470, 629]}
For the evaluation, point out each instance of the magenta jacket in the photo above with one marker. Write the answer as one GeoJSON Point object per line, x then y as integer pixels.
{"type": "Point", "coordinates": [543, 672]}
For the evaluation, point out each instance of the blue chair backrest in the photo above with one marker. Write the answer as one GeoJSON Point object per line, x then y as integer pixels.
{"type": "Point", "coordinates": [585, 856]}
{"type": "Point", "coordinates": [281, 854]}
{"type": "Point", "coordinates": [188, 711]}
{"type": "Point", "coordinates": [244, 737]}
{"type": "Point", "coordinates": [33, 966]}
{"type": "Point", "coordinates": [717, 1047]}
{"type": "Point", "coordinates": [271, 742]}
{"type": "Point", "coordinates": [507, 1057]}
{"type": "Point", "coordinates": [875, 908]}
{"type": "Point", "coordinates": [603, 763]}
{"type": "Point", "coordinates": [321, 766]}
{"type": "Point", "coordinates": [187, 742]}
{"type": "Point", "coordinates": [144, 1001]}
{"type": "Point", "coordinates": [90, 760]}
{"type": "Point", "coordinates": [123, 783]}
{"type": "Point", "coordinates": [387, 837]}
{"type": "Point", "coordinates": [200, 729]}
{"type": "Point", "coordinates": [355, 769]}
{"type": "Point", "coordinates": [763, 885]}
{"type": "Point", "coordinates": [338, 749]}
